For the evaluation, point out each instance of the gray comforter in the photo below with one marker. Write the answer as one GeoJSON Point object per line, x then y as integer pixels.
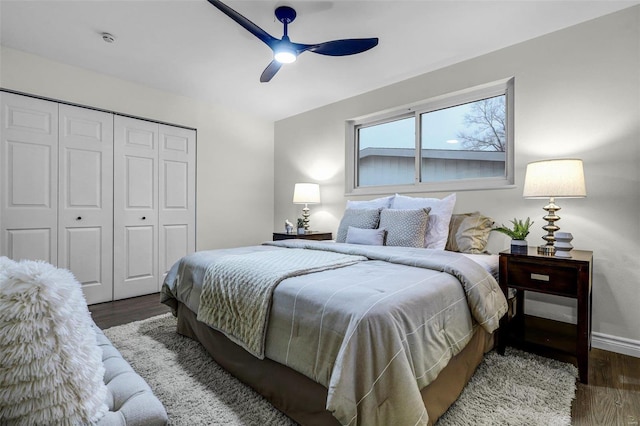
{"type": "Point", "coordinates": [231, 281]}
{"type": "Point", "coordinates": [373, 333]}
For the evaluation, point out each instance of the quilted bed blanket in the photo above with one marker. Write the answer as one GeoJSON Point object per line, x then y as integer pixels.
{"type": "Point", "coordinates": [237, 289]}
{"type": "Point", "coordinates": [373, 333]}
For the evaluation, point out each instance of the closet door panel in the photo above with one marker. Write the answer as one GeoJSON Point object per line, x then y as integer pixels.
{"type": "Point", "coordinates": [29, 171]}
{"type": "Point", "coordinates": [34, 244]}
{"type": "Point", "coordinates": [28, 178]}
{"type": "Point", "coordinates": [175, 239]}
{"type": "Point", "coordinates": [140, 183]}
{"type": "Point", "coordinates": [177, 155]}
{"type": "Point", "coordinates": [135, 207]}
{"type": "Point", "coordinates": [140, 262]}
{"type": "Point", "coordinates": [85, 220]}
{"type": "Point", "coordinates": [83, 256]}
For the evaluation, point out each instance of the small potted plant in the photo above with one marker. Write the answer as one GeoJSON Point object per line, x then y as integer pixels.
{"type": "Point", "coordinates": [518, 234]}
{"type": "Point", "coordinates": [300, 226]}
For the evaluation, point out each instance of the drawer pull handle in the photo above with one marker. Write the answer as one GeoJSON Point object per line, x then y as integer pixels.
{"type": "Point", "coordinates": [540, 277]}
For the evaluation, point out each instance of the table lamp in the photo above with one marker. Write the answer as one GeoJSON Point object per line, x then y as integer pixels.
{"type": "Point", "coordinates": [560, 178]}
{"type": "Point", "coordinates": [306, 193]}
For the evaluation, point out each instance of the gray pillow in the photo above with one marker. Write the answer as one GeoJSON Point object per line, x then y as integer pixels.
{"type": "Point", "coordinates": [405, 228]}
{"type": "Point", "coordinates": [358, 218]}
{"type": "Point", "coordinates": [370, 237]}
{"type": "Point", "coordinates": [439, 216]}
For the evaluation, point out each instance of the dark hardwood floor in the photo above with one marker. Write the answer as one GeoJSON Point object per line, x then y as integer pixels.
{"type": "Point", "coordinates": [611, 398]}
{"type": "Point", "coordinates": [110, 314]}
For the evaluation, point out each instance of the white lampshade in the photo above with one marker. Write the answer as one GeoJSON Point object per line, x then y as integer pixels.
{"type": "Point", "coordinates": [306, 193]}
{"type": "Point", "coordinates": [563, 178]}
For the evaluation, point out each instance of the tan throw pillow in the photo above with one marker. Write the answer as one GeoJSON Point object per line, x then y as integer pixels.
{"type": "Point", "coordinates": [469, 232]}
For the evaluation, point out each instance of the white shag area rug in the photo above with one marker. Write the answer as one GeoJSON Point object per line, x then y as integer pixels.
{"type": "Point", "coordinates": [516, 389]}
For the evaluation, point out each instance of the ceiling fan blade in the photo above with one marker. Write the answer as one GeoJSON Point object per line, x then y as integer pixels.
{"type": "Point", "coordinates": [338, 47]}
{"type": "Point", "coordinates": [270, 71]}
{"type": "Point", "coordinates": [267, 38]}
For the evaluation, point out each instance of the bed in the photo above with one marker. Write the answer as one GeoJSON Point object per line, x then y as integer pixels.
{"type": "Point", "coordinates": [383, 335]}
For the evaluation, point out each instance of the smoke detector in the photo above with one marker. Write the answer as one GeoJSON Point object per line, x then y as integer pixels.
{"type": "Point", "coordinates": [108, 38]}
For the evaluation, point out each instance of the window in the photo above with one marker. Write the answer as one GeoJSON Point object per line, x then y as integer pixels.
{"type": "Point", "coordinates": [386, 153]}
{"type": "Point", "coordinates": [455, 142]}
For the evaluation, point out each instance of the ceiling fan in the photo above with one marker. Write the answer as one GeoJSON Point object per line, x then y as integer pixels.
{"type": "Point", "coordinates": [284, 50]}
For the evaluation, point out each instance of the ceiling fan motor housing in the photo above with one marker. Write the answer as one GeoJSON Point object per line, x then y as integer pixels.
{"type": "Point", "coordinates": [285, 14]}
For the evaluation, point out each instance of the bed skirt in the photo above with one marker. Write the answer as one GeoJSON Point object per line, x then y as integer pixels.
{"type": "Point", "coordinates": [304, 400]}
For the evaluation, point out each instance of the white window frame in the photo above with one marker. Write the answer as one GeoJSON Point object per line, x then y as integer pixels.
{"type": "Point", "coordinates": [496, 88]}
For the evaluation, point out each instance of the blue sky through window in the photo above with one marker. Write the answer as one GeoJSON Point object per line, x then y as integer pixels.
{"type": "Point", "coordinates": [394, 134]}
{"type": "Point", "coordinates": [438, 127]}
{"type": "Point", "coordinates": [440, 130]}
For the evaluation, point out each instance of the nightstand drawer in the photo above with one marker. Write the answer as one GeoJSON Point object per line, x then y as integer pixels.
{"type": "Point", "coordinates": [555, 280]}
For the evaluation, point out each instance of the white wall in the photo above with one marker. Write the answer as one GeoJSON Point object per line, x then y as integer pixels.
{"type": "Point", "coordinates": [234, 150]}
{"type": "Point", "coordinates": [577, 94]}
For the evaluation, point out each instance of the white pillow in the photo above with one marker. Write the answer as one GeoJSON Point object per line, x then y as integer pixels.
{"type": "Point", "coordinates": [370, 237]}
{"type": "Point", "coordinates": [439, 216]}
{"type": "Point", "coordinates": [384, 202]}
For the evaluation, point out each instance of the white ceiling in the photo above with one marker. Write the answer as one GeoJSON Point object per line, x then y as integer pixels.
{"type": "Point", "coordinates": [190, 48]}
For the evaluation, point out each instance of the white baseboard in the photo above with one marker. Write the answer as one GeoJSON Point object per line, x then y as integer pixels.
{"type": "Point", "coordinates": [616, 344]}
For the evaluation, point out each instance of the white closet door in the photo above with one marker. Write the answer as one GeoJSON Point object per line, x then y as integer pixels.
{"type": "Point", "coordinates": [135, 207]}
{"type": "Point", "coordinates": [28, 178]}
{"type": "Point", "coordinates": [85, 218]}
{"type": "Point", "coordinates": [177, 195]}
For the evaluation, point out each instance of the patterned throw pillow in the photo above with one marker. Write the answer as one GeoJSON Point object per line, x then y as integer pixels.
{"type": "Point", "coordinates": [358, 218]}
{"type": "Point", "coordinates": [469, 232]}
{"type": "Point", "coordinates": [404, 228]}
{"type": "Point", "coordinates": [370, 237]}
{"type": "Point", "coordinates": [439, 216]}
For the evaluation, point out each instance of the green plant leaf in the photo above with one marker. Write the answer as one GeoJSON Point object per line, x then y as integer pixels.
{"type": "Point", "coordinates": [519, 231]}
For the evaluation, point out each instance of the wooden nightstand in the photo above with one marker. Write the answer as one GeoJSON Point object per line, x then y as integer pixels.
{"type": "Point", "coordinates": [314, 235]}
{"type": "Point", "coordinates": [551, 275]}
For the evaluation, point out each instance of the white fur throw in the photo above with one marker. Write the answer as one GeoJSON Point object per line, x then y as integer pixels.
{"type": "Point", "coordinates": [51, 366]}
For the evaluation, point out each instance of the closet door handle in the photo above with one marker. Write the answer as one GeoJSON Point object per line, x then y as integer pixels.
{"type": "Point", "coordinates": [144, 217]}
{"type": "Point", "coordinates": [79, 218]}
